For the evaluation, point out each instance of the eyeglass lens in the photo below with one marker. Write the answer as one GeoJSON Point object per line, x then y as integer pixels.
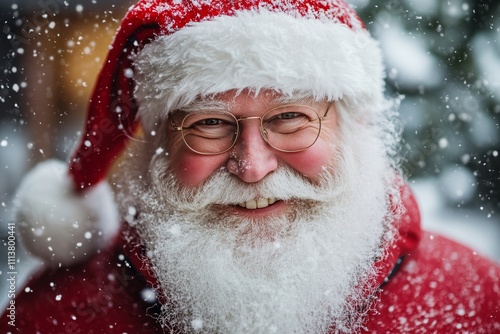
{"type": "Point", "coordinates": [288, 128]}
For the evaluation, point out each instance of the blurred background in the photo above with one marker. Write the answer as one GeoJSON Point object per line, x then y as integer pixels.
{"type": "Point", "coordinates": [443, 56]}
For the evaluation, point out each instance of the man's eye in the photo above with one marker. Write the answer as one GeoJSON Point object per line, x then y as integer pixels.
{"type": "Point", "coordinates": [211, 127]}
{"type": "Point", "coordinates": [289, 115]}
{"type": "Point", "coordinates": [287, 122]}
{"type": "Point", "coordinates": [208, 125]}
{"type": "Point", "coordinates": [210, 121]}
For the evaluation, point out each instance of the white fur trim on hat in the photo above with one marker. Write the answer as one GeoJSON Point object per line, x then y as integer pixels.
{"type": "Point", "coordinates": [56, 223]}
{"type": "Point", "coordinates": [259, 50]}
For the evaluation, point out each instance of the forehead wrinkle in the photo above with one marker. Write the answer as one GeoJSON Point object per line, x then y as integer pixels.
{"type": "Point", "coordinates": [292, 99]}
{"type": "Point", "coordinates": [207, 104]}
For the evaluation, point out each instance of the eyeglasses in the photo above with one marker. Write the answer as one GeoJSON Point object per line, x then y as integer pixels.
{"type": "Point", "coordinates": [287, 128]}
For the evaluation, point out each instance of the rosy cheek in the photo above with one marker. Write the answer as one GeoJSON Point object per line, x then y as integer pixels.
{"type": "Point", "coordinates": [192, 169]}
{"type": "Point", "coordinates": [314, 161]}
{"type": "Point", "coordinates": [189, 168]}
{"type": "Point", "coordinates": [310, 163]}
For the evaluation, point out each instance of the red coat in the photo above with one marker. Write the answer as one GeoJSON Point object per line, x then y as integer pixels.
{"type": "Point", "coordinates": [438, 287]}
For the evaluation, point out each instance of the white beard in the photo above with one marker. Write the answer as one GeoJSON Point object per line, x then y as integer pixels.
{"type": "Point", "coordinates": [302, 273]}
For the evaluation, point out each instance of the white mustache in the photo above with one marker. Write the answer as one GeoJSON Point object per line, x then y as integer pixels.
{"type": "Point", "coordinates": [282, 184]}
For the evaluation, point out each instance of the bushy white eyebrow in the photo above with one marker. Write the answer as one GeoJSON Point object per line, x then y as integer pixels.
{"type": "Point", "coordinates": [207, 104]}
{"type": "Point", "coordinates": [293, 99]}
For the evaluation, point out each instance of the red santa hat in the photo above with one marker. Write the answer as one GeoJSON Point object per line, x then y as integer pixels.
{"type": "Point", "coordinates": [165, 54]}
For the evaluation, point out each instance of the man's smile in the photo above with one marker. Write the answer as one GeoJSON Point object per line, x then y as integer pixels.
{"type": "Point", "coordinates": [258, 203]}
{"type": "Point", "coordinates": [257, 207]}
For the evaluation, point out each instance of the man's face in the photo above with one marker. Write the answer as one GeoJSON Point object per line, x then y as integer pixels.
{"type": "Point", "coordinates": [294, 265]}
{"type": "Point", "coordinates": [251, 159]}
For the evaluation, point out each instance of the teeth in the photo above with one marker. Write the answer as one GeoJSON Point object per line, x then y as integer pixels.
{"type": "Point", "coordinates": [258, 203]}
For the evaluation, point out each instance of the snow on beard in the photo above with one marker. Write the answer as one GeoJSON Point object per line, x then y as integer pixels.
{"type": "Point", "coordinates": [300, 273]}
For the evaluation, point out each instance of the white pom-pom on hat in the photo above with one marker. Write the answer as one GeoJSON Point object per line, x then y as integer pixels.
{"type": "Point", "coordinates": [59, 225]}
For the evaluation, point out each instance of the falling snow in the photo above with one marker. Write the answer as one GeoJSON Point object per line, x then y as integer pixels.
{"type": "Point", "coordinates": [452, 109]}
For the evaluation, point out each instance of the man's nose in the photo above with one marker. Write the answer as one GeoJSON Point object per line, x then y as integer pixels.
{"type": "Point", "coordinates": [251, 158]}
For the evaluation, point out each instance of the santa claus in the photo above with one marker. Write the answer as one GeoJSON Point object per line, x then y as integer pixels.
{"type": "Point", "coordinates": [238, 173]}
